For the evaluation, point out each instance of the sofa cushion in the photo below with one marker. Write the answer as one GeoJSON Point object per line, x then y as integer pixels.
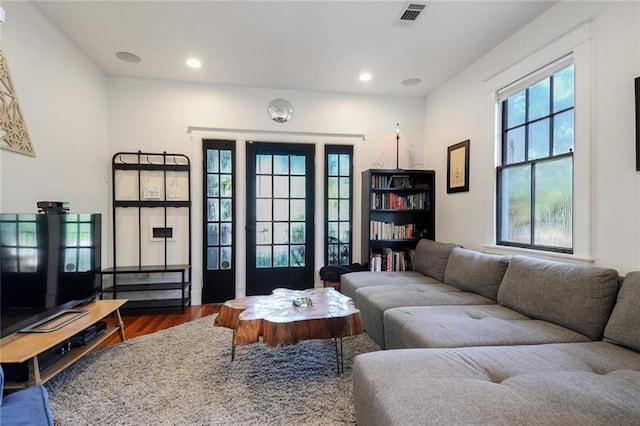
{"type": "Point", "coordinates": [480, 273]}
{"type": "Point", "coordinates": [352, 281]}
{"type": "Point", "coordinates": [623, 327]}
{"type": "Point", "coordinates": [577, 297]}
{"type": "Point", "coordinates": [431, 258]}
{"type": "Point", "coordinates": [560, 384]}
{"type": "Point", "coordinates": [28, 406]}
{"type": "Point", "coordinates": [460, 326]}
{"type": "Point", "coordinates": [374, 301]}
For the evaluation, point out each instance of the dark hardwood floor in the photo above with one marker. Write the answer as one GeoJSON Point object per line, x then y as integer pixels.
{"type": "Point", "coordinates": [139, 324]}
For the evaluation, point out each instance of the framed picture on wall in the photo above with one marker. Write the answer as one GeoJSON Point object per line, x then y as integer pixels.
{"type": "Point", "coordinates": [458, 167]}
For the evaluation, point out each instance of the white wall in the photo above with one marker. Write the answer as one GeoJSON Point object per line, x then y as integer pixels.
{"type": "Point", "coordinates": [63, 97]}
{"type": "Point", "coordinates": [153, 116]}
{"type": "Point", "coordinates": [606, 183]}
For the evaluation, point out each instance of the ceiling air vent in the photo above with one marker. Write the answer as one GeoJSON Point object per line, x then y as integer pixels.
{"type": "Point", "coordinates": [410, 13]}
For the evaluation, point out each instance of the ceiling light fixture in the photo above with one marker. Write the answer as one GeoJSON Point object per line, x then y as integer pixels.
{"type": "Point", "coordinates": [365, 76]}
{"type": "Point", "coordinates": [411, 82]}
{"type": "Point", "coordinates": [128, 57]}
{"type": "Point", "coordinates": [194, 63]}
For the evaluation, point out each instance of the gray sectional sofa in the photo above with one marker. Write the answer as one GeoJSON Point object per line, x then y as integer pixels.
{"type": "Point", "coordinates": [476, 338]}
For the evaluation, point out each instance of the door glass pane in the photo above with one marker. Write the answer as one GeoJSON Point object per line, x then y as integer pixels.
{"type": "Point", "coordinates": [344, 232]}
{"type": "Point", "coordinates": [225, 210]}
{"type": "Point", "coordinates": [225, 258]}
{"type": "Point", "coordinates": [297, 233]}
{"type": "Point", "coordinates": [263, 233]}
{"type": "Point", "coordinates": [212, 234]}
{"type": "Point", "coordinates": [280, 164]}
{"type": "Point", "coordinates": [281, 186]}
{"type": "Point", "coordinates": [332, 213]}
{"type": "Point", "coordinates": [263, 186]}
{"type": "Point", "coordinates": [345, 210]}
{"type": "Point", "coordinates": [225, 234]}
{"type": "Point", "coordinates": [263, 256]}
{"type": "Point", "coordinates": [212, 161]}
{"type": "Point", "coordinates": [298, 188]}
{"type": "Point", "coordinates": [281, 210]}
{"type": "Point", "coordinates": [516, 204]}
{"type": "Point", "coordinates": [332, 164]}
{"type": "Point", "coordinates": [263, 164]}
{"type": "Point", "coordinates": [263, 209]}
{"type": "Point", "coordinates": [280, 256]}
{"type": "Point", "coordinates": [345, 256]}
{"type": "Point", "coordinates": [344, 187]}
{"type": "Point", "coordinates": [212, 258]}
{"type": "Point", "coordinates": [225, 161]}
{"type": "Point", "coordinates": [297, 210]}
{"type": "Point", "coordinates": [332, 189]}
{"type": "Point", "coordinates": [212, 210]}
{"type": "Point", "coordinates": [298, 166]}
{"type": "Point", "coordinates": [280, 233]}
{"type": "Point", "coordinates": [554, 209]}
{"type": "Point", "coordinates": [297, 256]}
{"type": "Point", "coordinates": [345, 165]}
{"type": "Point", "coordinates": [212, 186]}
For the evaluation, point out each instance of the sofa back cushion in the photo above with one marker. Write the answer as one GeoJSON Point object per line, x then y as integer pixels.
{"type": "Point", "coordinates": [431, 258]}
{"type": "Point", "coordinates": [477, 272]}
{"type": "Point", "coordinates": [577, 297]}
{"type": "Point", "coordinates": [623, 327]}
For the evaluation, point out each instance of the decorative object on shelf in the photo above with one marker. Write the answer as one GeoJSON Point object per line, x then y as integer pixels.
{"type": "Point", "coordinates": [400, 181]}
{"type": "Point", "coordinates": [13, 133]}
{"type": "Point", "coordinates": [280, 110]}
{"type": "Point", "coordinates": [397, 145]}
{"type": "Point", "coordinates": [458, 167]}
{"type": "Point", "coordinates": [379, 163]}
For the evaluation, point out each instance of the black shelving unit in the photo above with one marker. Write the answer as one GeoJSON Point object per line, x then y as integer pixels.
{"type": "Point", "coordinates": [398, 209]}
{"type": "Point", "coordinates": [147, 285]}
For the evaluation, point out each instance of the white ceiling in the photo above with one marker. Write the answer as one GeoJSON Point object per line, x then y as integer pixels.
{"type": "Point", "coordinates": [304, 45]}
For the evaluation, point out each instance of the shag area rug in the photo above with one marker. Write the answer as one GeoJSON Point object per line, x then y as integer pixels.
{"type": "Point", "coordinates": [184, 376]}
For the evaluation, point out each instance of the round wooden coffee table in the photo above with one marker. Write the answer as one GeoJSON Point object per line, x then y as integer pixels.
{"type": "Point", "coordinates": [279, 322]}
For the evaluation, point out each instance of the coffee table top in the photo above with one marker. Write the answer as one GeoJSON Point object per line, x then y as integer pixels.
{"type": "Point", "coordinates": [279, 322]}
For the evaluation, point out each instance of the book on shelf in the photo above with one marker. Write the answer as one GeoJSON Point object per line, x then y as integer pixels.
{"type": "Point", "coordinates": [392, 201]}
{"type": "Point", "coordinates": [391, 260]}
{"type": "Point", "coordinates": [390, 231]}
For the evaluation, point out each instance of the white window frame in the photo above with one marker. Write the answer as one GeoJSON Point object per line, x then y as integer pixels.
{"type": "Point", "coordinates": [578, 44]}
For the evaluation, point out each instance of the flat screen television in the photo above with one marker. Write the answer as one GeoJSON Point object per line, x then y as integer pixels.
{"type": "Point", "coordinates": [48, 264]}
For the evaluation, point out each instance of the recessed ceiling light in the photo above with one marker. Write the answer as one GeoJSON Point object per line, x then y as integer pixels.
{"type": "Point", "coordinates": [194, 63]}
{"type": "Point", "coordinates": [365, 76]}
{"type": "Point", "coordinates": [128, 57]}
{"type": "Point", "coordinates": [411, 82]}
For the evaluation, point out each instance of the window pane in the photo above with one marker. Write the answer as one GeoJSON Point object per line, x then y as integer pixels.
{"type": "Point", "coordinates": [212, 161]}
{"type": "Point", "coordinates": [563, 133]}
{"type": "Point", "coordinates": [281, 186]}
{"type": "Point", "coordinates": [345, 256]}
{"type": "Point", "coordinates": [280, 256]}
{"type": "Point", "coordinates": [225, 186]}
{"type": "Point", "coordinates": [297, 256]}
{"type": "Point", "coordinates": [212, 258]}
{"type": "Point", "coordinates": [563, 88]}
{"type": "Point", "coordinates": [263, 233]}
{"type": "Point", "coordinates": [281, 233]}
{"type": "Point", "coordinates": [212, 186]}
{"type": "Point", "coordinates": [515, 145]}
{"type": "Point", "coordinates": [345, 161]}
{"type": "Point", "coordinates": [333, 254]}
{"type": "Point", "coordinates": [297, 210]}
{"type": "Point", "coordinates": [212, 210]}
{"type": "Point", "coordinates": [539, 96]}
{"type": "Point", "coordinates": [332, 190]}
{"type": "Point", "coordinates": [281, 210]}
{"type": "Point", "coordinates": [298, 189]}
{"type": "Point", "coordinates": [280, 164]}
{"type": "Point", "coordinates": [263, 257]}
{"type": "Point", "coordinates": [539, 139]}
{"type": "Point", "coordinates": [344, 232]}
{"type": "Point", "coordinates": [263, 186]}
{"type": "Point", "coordinates": [263, 209]}
{"type": "Point", "coordinates": [554, 205]}
{"type": "Point", "coordinates": [344, 209]}
{"type": "Point", "coordinates": [297, 164]}
{"type": "Point", "coordinates": [333, 232]}
{"type": "Point", "coordinates": [212, 234]}
{"type": "Point", "coordinates": [263, 164]}
{"type": "Point", "coordinates": [332, 164]}
{"type": "Point", "coordinates": [297, 233]}
{"type": "Point", "coordinates": [333, 210]}
{"type": "Point", "coordinates": [225, 210]}
{"type": "Point", "coordinates": [225, 161]}
{"type": "Point", "coordinates": [516, 204]}
{"type": "Point", "coordinates": [225, 234]}
{"type": "Point", "coordinates": [344, 187]}
{"type": "Point", "coordinates": [516, 107]}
